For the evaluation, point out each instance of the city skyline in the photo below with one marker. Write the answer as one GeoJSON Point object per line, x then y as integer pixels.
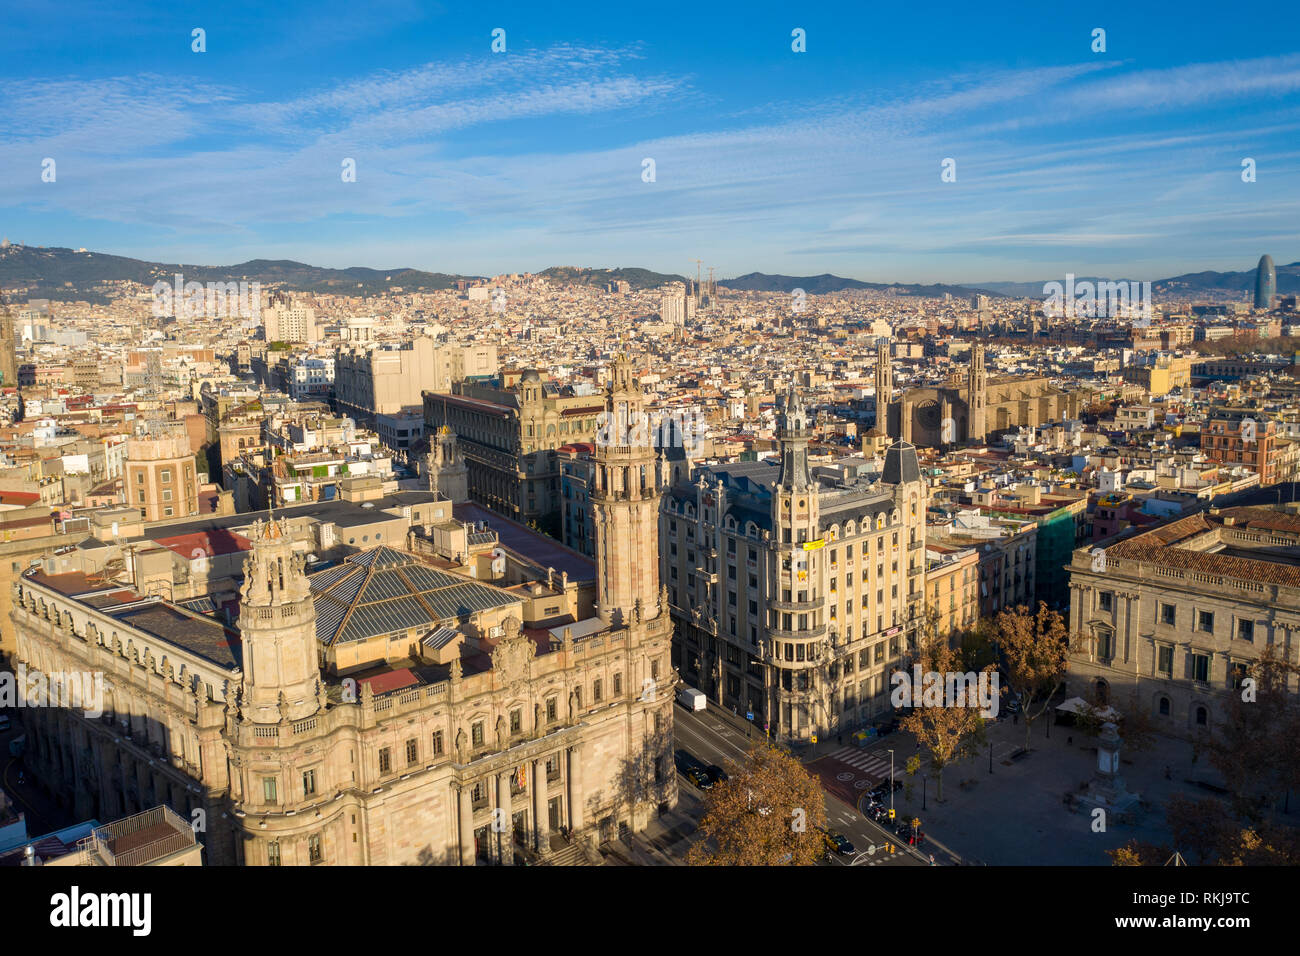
{"type": "Point", "coordinates": [1123, 162]}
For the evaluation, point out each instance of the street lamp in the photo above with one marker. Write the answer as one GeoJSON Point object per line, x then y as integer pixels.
{"type": "Point", "coordinates": [891, 786]}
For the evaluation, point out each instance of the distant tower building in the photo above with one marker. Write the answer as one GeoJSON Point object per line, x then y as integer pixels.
{"type": "Point", "coordinates": [884, 386]}
{"type": "Point", "coordinates": [1265, 283]}
{"type": "Point", "coordinates": [979, 302]}
{"type": "Point", "coordinates": [976, 393]}
{"type": "Point", "coordinates": [448, 473]}
{"type": "Point", "coordinates": [624, 499]}
{"type": "Point", "coordinates": [277, 627]}
{"type": "Point", "coordinates": [8, 360]}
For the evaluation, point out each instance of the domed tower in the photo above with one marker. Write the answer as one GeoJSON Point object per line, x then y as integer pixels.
{"type": "Point", "coordinates": [448, 473]}
{"type": "Point", "coordinates": [277, 625]}
{"type": "Point", "coordinates": [625, 505]}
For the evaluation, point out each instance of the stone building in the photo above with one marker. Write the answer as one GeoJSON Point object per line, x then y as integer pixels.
{"type": "Point", "coordinates": [971, 406]}
{"type": "Point", "coordinates": [394, 708]}
{"type": "Point", "coordinates": [796, 593]}
{"type": "Point", "coordinates": [1177, 613]}
{"type": "Point", "coordinates": [511, 439]}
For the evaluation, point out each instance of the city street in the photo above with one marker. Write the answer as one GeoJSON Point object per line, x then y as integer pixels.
{"type": "Point", "coordinates": [712, 739]}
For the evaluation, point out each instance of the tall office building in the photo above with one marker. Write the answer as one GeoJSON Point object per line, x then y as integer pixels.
{"type": "Point", "coordinates": [1265, 283]}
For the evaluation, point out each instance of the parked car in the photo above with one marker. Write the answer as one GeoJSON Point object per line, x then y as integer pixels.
{"type": "Point", "coordinates": [716, 773]}
{"type": "Point", "coordinates": [882, 790]}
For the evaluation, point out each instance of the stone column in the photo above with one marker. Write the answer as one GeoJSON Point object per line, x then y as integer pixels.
{"type": "Point", "coordinates": [505, 836]}
{"type": "Point", "coordinates": [466, 814]}
{"type": "Point", "coordinates": [575, 789]}
{"type": "Point", "coordinates": [541, 812]}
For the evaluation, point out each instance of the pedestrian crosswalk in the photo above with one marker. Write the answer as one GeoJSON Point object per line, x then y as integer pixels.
{"type": "Point", "coordinates": [872, 762]}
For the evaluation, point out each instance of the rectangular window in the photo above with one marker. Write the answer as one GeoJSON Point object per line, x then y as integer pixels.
{"type": "Point", "coordinates": [1168, 614]}
{"type": "Point", "coordinates": [167, 494]}
{"type": "Point", "coordinates": [1205, 621]}
{"type": "Point", "coordinates": [268, 789]}
{"type": "Point", "coordinates": [595, 691]}
{"type": "Point", "coordinates": [166, 475]}
{"type": "Point", "coordinates": [315, 850]}
{"type": "Point", "coordinates": [516, 721]}
{"type": "Point", "coordinates": [1105, 600]}
{"type": "Point", "coordinates": [1246, 630]}
{"type": "Point", "coordinates": [476, 733]}
{"type": "Point", "coordinates": [1201, 668]}
{"type": "Point", "coordinates": [1165, 661]}
{"type": "Point", "coordinates": [437, 743]}
{"type": "Point", "coordinates": [618, 685]}
{"type": "Point", "coordinates": [550, 709]}
{"type": "Point", "coordinates": [308, 782]}
{"type": "Point", "coordinates": [385, 760]}
{"type": "Point", "coordinates": [273, 853]}
{"type": "Point", "coordinates": [412, 752]}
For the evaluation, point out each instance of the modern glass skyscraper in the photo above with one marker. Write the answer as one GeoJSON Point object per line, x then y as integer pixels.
{"type": "Point", "coordinates": [1265, 283]}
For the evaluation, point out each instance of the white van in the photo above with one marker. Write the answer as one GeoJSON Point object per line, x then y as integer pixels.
{"type": "Point", "coordinates": [692, 699]}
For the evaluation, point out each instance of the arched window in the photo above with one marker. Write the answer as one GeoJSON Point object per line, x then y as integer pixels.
{"type": "Point", "coordinates": [1164, 706]}
{"type": "Point", "coordinates": [1202, 717]}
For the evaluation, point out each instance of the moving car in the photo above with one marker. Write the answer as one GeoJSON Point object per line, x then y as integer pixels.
{"type": "Point", "coordinates": [685, 761]}
{"type": "Point", "coordinates": [700, 778]}
{"type": "Point", "coordinates": [840, 843]}
{"type": "Point", "coordinates": [692, 699]}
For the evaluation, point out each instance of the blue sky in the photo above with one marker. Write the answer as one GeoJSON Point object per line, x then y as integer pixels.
{"type": "Point", "coordinates": [1124, 163]}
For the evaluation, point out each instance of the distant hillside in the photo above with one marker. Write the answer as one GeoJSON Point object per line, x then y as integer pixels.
{"type": "Point", "coordinates": [1189, 285]}
{"type": "Point", "coordinates": [636, 278]}
{"type": "Point", "coordinates": [825, 283]}
{"type": "Point", "coordinates": [64, 273]}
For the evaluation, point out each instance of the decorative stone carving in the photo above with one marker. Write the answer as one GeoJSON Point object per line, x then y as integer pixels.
{"type": "Point", "coordinates": [512, 657]}
{"type": "Point", "coordinates": [461, 752]}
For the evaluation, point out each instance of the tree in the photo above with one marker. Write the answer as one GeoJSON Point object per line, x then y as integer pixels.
{"type": "Point", "coordinates": [1134, 723]}
{"type": "Point", "coordinates": [1139, 853]}
{"type": "Point", "coordinates": [946, 729]}
{"type": "Point", "coordinates": [1197, 825]}
{"type": "Point", "coordinates": [977, 645]}
{"type": "Point", "coordinates": [1257, 748]}
{"type": "Point", "coordinates": [771, 813]}
{"type": "Point", "coordinates": [1036, 651]}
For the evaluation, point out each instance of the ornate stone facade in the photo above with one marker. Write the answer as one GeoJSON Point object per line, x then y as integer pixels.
{"type": "Point", "coordinates": [486, 743]}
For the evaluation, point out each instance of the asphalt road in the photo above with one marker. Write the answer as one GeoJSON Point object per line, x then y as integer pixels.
{"type": "Point", "coordinates": [713, 741]}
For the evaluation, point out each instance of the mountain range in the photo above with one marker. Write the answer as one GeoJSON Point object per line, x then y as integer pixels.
{"type": "Point", "coordinates": [58, 273]}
